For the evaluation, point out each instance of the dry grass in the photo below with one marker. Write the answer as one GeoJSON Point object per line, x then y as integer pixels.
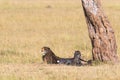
{"type": "Point", "coordinates": [28, 25]}
{"type": "Point", "coordinates": [58, 72]}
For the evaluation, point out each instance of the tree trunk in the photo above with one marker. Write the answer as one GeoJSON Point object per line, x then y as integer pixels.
{"type": "Point", "coordinates": [102, 36]}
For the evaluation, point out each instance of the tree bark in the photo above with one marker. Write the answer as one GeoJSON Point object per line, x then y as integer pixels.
{"type": "Point", "coordinates": [102, 36]}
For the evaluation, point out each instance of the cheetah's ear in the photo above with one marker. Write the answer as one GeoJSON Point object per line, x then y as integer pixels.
{"type": "Point", "coordinates": [48, 48]}
{"type": "Point", "coordinates": [45, 47]}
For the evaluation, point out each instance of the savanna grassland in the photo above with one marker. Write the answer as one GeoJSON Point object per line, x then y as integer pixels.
{"type": "Point", "coordinates": [28, 25]}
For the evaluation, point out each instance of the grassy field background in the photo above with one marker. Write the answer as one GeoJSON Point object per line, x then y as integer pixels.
{"type": "Point", "coordinates": [28, 25]}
